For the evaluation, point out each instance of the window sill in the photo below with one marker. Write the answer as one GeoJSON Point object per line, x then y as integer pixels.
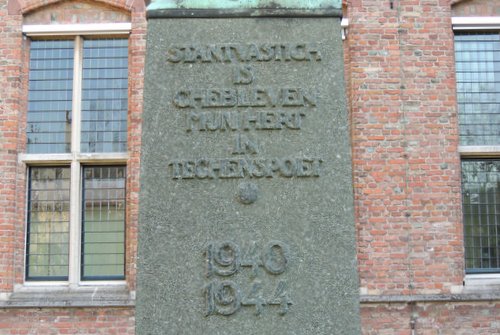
{"type": "Point", "coordinates": [481, 283]}
{"type": "Point", "coordinates": [82, 296]}
{"type": "Point", "coordinates": [479, 150]}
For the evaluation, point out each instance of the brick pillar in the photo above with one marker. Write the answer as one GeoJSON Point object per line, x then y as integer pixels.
{"type": "Point", "coordinates": [405, 137]}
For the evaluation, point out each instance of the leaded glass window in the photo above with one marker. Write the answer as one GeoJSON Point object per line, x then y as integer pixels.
{"type": "Point", "coordinates": [478, 95]}
{"type": "Point", "coordinates": [48, 223]}
{"type": "Point", "coordinates": [50, 96]}
{"type": "Point", "coordinates": [104, 96]}
{"type": "Point", "coordinates": [481, 207]}
{"type": "Point", "coordinates": [77, 134]}
{"type": "Point", "coordinates": [478, 88]}
{"type": "Point", "coordinates": [104, 92]}
{"type": "Point", "coordinates": [103, 224]}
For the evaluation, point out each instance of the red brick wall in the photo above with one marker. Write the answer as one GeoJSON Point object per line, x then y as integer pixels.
{"type": "Point", "coordinates": [406, 165]}
{"type": "Point", "coordinates": [10, 105]}
{"type": "Point", "coordinates": [50, 321]}
{"type": "Point", "coordinates": [14, 53]}
{"type": "Point", "coordinates": [407, 169]}
{"type": "Point", "coordinates": [431, 318]}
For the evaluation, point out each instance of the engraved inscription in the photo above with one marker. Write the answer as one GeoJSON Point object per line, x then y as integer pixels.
{"type": "Point", "coordinates": [205, 168]}
{"type": "Point", "coordinates": [243, 110]}
{"type": "Point", "coordinates": [243, 120]}
{"type": "Point", "coordinates": [225, 259]}
{"type": "Point", "coordinates": [226, 298]}
{"type": "Point", "coordinates": [233, 53]}
{"type": "Point", "coordinates": [243, 75]}
{"type": "Point", "coordinates": [245, 97]}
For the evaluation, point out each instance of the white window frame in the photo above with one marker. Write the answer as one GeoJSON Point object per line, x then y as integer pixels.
{"type": "Point", "coordinates": [75, 159]}
{"type": "Point", "coordinates": [491, 280]}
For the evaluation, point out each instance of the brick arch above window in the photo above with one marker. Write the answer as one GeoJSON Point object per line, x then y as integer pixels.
{"type": "Point", "coordinates": [475, 8]}
{"type": "Point", "coordinates": [76, 12]}
{"type": "Point", "coordinates": [24, 7]}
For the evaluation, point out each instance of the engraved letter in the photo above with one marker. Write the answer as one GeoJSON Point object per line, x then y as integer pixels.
{"type": "Point", "coordinates": [174, 55]}
{"type": "Point", "coordinates": [243, 75]}
{"type": "Point", "coordinates": [243, 145]}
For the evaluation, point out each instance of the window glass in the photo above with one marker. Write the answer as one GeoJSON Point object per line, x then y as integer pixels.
{"type": "Point", "coordinates": [104, 95]}
{"type": "Point", "coordinates": [48, 223]}
{"type": "Point", "coordinates": [103, 226]}
{"type": "Point", "coordinates": [99, 192]}
{"type": "Point", "coordinates": [478, 84]}
{"type": "Point", "coordinates": [50, 94]}
{"type": "Point", "coordinates": [481, 207]}
{"type": "Point", "coordinates": [478, 95]}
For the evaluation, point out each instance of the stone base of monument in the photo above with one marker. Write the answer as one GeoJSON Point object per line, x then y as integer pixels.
{"type": "Point", "coordinates": [246, 222]}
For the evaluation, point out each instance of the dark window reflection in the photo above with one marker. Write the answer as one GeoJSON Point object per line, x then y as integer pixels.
{"type": "Point", "coordinates": [103, 226]}
{"type": "Point", "coordinates": [478, 88]}
{"type": "Point", "coordinates": [481, 207]}
{"type": "Point", "coordinates": [104, 96]}
{"type": "Point", "coordinates": [48, 223]}
{"type": "Point", "coordinates": [50, 96]}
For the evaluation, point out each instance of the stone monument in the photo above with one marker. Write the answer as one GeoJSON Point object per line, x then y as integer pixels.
{"type": "Point", "coordinates": [246, 219]}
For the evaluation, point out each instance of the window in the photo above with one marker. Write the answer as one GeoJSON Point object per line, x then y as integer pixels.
{"type": "Point", "coordinates": [478, 93]}
{"type": "Point", "coordinates": [76, 154]}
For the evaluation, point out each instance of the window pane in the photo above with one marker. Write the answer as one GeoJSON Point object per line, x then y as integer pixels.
{"type": "Point", "coordinates": [478, 88]}
{"type": "Point", "coordinates": [48, 223]}
{"type": "Point", "coordinates": [103, 226]}
{"type": "Point", "coordinates": [481, 207]}
{"type": "Point", "coordinates": [104, 96]}
{"type": "Point", "coordinates": [50, 93]}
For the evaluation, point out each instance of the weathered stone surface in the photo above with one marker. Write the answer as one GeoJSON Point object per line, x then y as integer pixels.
{"type": "Point", "coordinates": [239, 4]}
{"type": "Point", "coordinates": [246, 223]}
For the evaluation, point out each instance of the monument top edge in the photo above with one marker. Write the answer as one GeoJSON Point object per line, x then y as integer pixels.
{"type": "Point", "coordinates": [247, 6]}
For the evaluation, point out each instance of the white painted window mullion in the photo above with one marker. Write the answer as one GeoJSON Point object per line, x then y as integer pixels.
{"type": "Point", "coordinates": [75, 202]}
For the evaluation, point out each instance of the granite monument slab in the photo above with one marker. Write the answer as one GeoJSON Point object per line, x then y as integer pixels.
{"type": "Point", "coordinates": [246, 204]}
